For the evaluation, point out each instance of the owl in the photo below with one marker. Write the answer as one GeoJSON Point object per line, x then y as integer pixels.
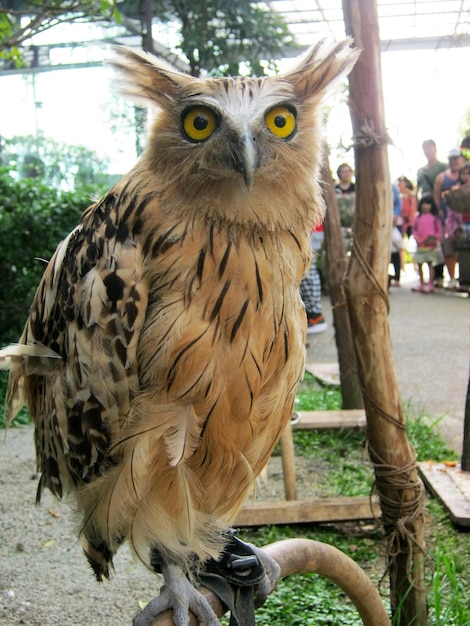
{"type": "Point", "coordinates": [166, 338]}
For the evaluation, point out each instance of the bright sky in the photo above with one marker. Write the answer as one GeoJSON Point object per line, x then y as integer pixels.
{"type": "Point", "coordinates": [426, 96]}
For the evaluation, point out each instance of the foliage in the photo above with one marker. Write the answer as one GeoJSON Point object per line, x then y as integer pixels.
{"type": "Point", "coordinates": [21, 19]}
{"type": "Point", "coordinates": [227, 37]}
{"type": "Point", "coordinates": [34, 218]}
{"type": "Point", "coordinates": [427, 444]}
{"type": "Point", "coordinates": [53, 162]}
{"type": "Point", "coordinates": [449, 553]}
{"type": "Point", "coordinates": [322, 397]}
{"type": "Point", "coordinates": [217, 36]}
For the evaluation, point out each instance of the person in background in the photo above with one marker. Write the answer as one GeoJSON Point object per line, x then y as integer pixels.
{"type": "Point", "coordinates": [427, 230]}
{"type": "Point", "coordinates": [464, 176]}
{"type": "Point", "coordinates": [450, 219]}
{"type": "Point", "coordinates": [408, 213]}
{"type": "Point", "coordinates": [426, 177]}
{"type": "Point", "coordinates": [344, 184]}
{"type": "Point", "coordinates": [408, 204]}
{"type": "Point", "coordinates": [427, 174]}
{"type": "Point", "coordinates": [310, 287]}
{"type": "Point", "coordinates": [397, 238]}
{"type": "Point", "coordinates": [464, 181]}
{"type": "Point", "coordinates": [465, 146]}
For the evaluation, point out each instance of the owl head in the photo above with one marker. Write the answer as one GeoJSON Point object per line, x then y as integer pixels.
{"type": "Point", "coordinates": [240, 149]}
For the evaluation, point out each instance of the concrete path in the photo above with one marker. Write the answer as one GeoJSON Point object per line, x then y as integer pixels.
{"type": "Point", "coordinates": [431, 344]}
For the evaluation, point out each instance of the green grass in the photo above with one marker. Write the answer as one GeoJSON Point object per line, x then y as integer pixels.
{"type": "Point", "coordinates": [422, 434]}
{"type": "Point", "coordinates": [310, 599]}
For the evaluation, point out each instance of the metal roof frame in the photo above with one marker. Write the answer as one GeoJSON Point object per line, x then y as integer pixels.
{"type": "Point", "coordinates": [403, 24]}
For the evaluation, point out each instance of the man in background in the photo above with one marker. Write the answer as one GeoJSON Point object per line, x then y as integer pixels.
{"type": "Point", "coordinates": [425, 186]}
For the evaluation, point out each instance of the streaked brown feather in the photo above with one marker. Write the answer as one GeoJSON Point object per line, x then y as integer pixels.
{"type": "Point", "coordinates": [166, 339]}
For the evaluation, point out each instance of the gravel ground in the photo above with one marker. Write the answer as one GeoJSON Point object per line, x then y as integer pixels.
{"type": "Point", "coordinates": [44, 578]}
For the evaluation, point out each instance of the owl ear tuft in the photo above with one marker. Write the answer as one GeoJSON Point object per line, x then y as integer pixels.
{"type": "Point", "coordinates": [146, 79]}
{"type": "Point", "coordinates": [322, 67]}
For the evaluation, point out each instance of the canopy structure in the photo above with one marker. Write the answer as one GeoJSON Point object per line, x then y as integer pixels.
{"type": "Point", "coordinates": [404, 25]}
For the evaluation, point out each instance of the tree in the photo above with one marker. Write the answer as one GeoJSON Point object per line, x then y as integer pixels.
{"type": "Point", "coordinates": [52, 162]}
{"type": "Point", "coordinates": [217, 36]}
{"type": "Point", "coordinates": [33, 219]}
{"type": "Point", "coordinates": [222, 35]}
{"type": "Point", "coordinates": [20, 19]}
{"type": "Point", "coordinates": [400, 490]}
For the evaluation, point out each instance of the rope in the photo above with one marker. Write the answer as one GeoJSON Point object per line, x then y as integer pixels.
{"type": "Point", "coordinates": [386, 416]}
{"type": "Point", "coordinates": [366, 137]}
{"type": "Point", "coordinates": [366, 268]}
{"type": "Point", "coordinates": [399, 515]}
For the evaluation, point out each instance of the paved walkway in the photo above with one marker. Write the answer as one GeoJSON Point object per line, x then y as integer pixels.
{"type": "Point", "coordinates": [431, 344]}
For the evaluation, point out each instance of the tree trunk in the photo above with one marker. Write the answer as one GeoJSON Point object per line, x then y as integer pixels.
{"type": "Point", "coordinates": [336, 268]}
{"type": "Point", "coordinates": [147, 19]}
{"type": "Point", "coordinates": [466, 432]}
{"type": "Point", "coordinates": [399, 488]}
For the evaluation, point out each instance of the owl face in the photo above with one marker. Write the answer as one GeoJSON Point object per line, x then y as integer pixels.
{"type": "Point", "coordinates": [236, 147]}
{"type": "Point", "coordinates": [234, 131]}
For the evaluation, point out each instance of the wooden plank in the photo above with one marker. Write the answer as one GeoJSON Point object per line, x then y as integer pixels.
{"type": "Point", "coordinates": [452, 486]}
{"type": "Point", "coordinates": [351, 418]}
{"type": "Point", "coordinates": [327, 373]}
{"type": "Point", "coordinates": [304, 511]}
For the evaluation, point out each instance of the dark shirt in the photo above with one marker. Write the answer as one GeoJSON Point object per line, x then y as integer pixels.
{"type": "Point", "coordinates": [350, 189]}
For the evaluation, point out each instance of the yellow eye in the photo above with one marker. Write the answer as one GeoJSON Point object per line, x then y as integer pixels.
{"type": "Point", "coordinates": [199, 123]}
{"type": "Point", "coordinates": [281, 122]}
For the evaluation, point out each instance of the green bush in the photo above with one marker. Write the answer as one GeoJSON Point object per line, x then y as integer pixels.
{"type": "Point", "coordinates": [34, 218]}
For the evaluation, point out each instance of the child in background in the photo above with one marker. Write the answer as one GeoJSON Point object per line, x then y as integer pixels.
{"type": "Point", "coordinates": [427, 230]}
{"type": "Point", "coordinates": [408, 204]}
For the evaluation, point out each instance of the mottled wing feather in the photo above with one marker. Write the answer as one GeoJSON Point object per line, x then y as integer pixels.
{"type": "Point", "coordinates": [88, 310]}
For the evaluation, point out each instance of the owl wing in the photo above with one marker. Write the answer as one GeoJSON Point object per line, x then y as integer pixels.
{"type": "Point", "coordinates": [76, 365]}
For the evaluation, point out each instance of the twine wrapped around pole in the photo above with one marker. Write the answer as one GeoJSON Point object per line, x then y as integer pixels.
{"type": "Point", "coordinates": [398, 485]}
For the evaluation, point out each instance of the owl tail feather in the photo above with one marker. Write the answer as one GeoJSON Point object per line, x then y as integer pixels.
{"type": "Point", "coordinates": [100, 558]}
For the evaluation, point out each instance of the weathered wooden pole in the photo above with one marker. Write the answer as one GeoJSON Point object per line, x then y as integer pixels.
{"type": "Point", "coordinates": [399, 487]}
{"type": "Point", "coordinates": [336, 268]}
{"type": "Point", "coordinates": [466, 432]}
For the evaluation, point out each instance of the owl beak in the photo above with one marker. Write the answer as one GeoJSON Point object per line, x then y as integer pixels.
{"type": "Point", "coordinates": [246, 158]}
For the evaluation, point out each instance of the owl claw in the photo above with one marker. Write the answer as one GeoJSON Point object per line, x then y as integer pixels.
{"type": "Point", "coordinates": [178, 594]}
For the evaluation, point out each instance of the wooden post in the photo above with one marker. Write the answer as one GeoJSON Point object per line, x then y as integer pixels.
{"type": "Point", "coordinates": [336, 268]}
{"type": "Point", "coordinates": [401, 493]}
{"type": "Point", "coordinates": [288, 463]}
{"type": "Point", "coordinates": [466, 432]}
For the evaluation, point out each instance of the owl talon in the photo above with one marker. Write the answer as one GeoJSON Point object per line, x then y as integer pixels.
{"type": "Point", "coordinates": [178, 594]}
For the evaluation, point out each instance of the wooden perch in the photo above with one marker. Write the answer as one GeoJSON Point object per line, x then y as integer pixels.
{"type": "Point", "coordinates": [301, 556]}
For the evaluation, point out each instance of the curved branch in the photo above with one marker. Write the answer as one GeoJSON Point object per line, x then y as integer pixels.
{"type": "Point", "coordinates": [301, 556]}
